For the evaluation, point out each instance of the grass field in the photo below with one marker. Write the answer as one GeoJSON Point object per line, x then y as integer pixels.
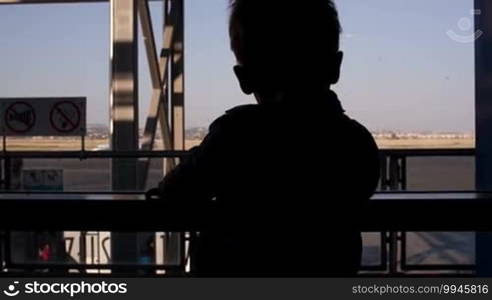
{"type": "Point", "coordinates": [47, 144]}
{"type": "Point", "coordinates": [458, 143]}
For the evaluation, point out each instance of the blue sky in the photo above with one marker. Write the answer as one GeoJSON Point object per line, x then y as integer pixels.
{"type": "Point", "coordinates": [401, 71]}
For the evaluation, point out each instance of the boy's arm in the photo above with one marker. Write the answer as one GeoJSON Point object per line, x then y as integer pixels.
{"type": "Point", "coordinates": [199, 176]}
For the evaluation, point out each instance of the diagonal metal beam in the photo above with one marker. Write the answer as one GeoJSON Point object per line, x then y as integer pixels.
{"type": "Point", "coordinates": [158, 71]}
{"type": "Point", "coordinates": [150, 46]}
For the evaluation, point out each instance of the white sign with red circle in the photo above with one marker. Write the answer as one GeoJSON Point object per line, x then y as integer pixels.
{"type": "Point", "coordinates": [65, 116]}
{"type": "Point", "coordinates": [43, 116]}
{"type": "Point", "coordinates": [20, 117]}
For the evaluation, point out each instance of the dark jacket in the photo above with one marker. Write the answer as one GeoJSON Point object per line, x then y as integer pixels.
{"type": "Point", "coordinates": [291, 180]}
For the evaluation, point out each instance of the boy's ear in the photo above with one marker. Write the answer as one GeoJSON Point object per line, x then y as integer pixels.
{"type": "Point", "coordinates": [244, 79]}
{"type": "Point", "coordinates": [336, 66]}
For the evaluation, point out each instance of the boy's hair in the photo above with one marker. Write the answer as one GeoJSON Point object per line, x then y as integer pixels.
{"type": "Point", "coordinates": [284, 36]}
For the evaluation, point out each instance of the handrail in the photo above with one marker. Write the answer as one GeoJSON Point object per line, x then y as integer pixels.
{"type": "Point", "coordinates": [385, 212]}
{"type": "Point", "coordinates": [92, 154]}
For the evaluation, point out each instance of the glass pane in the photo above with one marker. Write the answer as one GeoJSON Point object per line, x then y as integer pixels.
{"type": "Point", "coordinates": [441, 173]}
{"type": "Point", "coordinates": [371, 252]}
{"type": "Point", "coordinates": [440, 248]}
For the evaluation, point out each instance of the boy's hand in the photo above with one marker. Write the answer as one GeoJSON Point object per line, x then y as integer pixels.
{"type": "Point", "coordinates": [153, 194]}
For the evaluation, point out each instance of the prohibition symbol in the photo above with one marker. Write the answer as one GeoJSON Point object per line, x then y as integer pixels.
{"type": "Point", "coordinates": [65, 116]}
{"type": "Point", "coordinates": [20, 117]}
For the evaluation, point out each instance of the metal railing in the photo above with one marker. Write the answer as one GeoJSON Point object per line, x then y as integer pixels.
{"type": "Point", "coordinates": [394, 164]}
{"type": "Point", "coordinates": [393, 178]}
{"type": "Point", "coordinates": [86, 252]}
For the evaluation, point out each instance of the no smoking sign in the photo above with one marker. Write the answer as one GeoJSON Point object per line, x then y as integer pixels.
{"type": "Point", "coordinates": [65, 116]}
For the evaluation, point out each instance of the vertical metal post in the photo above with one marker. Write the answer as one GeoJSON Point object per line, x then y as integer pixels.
{"type": "Point", "coordinates": [177, 77]}
{"type": "Point", "coordinates": [175, 242]}
{"type": "Point", "coordinates": [124, 112]}
{"type": "Point", "coordinates": [8, 173]}
{"type": "Point", "coordinates": [124, 92]}
{"type": "Point", "coordinates": [483, 110]}
{"type": "Point", "coordinates": [403, 172]}
{"type": "Point", "coordinates": [402, 238]}
{"type": "Point", "coordinates": [2, 178]}
{"type": "Point", "coordinates": [383, 166]}
{"type": "Point", "coordinates": [83, 247]}
{"type": "Point", "coordinates": [3, 162]}
{"type": "Point", "coordinates": [169, 17]}
{"type": "Point", "coordinates": [394, 175]}
{"type": "Point", "coordinates": [393, 252]}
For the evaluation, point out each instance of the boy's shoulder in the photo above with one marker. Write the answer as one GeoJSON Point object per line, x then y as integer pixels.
{"type": "Point", "coordinates": [236, 115]}
{"type": "Point", "coordinates": [243, 110]}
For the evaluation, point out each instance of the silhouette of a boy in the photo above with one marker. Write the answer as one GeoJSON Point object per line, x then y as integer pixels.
{"type": "Point", "coordinates": [293, 172]}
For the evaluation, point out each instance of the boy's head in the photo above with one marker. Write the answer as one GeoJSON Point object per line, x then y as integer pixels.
{"type": "Point", "coordinates": [285, 46]}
